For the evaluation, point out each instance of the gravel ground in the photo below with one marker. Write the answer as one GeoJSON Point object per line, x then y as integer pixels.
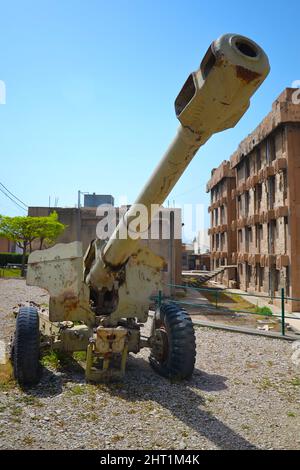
{"type": "Point", "coordinates": [244, 394]}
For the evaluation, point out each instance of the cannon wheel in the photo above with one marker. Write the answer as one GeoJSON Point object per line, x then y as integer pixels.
{"type": "Point", "coordinates": [174, 347]}
{"type": "Point", "coordinates": [26, 347]}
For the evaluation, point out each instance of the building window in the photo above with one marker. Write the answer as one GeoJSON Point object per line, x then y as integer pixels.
{"type": "Point", "coordinates": [270, 150]}
{"type": "Point", "coordinates": [258, 196]}
{"type": "Point", "coordinates": [248, 238]}
{"type": "Point", "coordinates": [261, 276]}
{"type": "Point", "coordinates": [284, 177]}
{"type": "Point", "coordinates": [271, 194]}
{"type": "Point", "coordinates": [247, 167]}
{"type": "Point", "coordinates": [276, 279]}
{"type": "Point", "coordinates": [258, 159]}
{"type": "Point", "coordinates": [247, 203]}
{"type": "Point", "coordinates": [240, 239]}
{"type": "Point", "coordinates": [216, 217]}
{"type": "Point", "coordinates": [223, 221]}
{"type": "Point", "coordinates": [286, 234]}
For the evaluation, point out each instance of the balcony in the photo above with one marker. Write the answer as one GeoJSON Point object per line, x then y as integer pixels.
{"type": "Point", "coordinates": [241, 189]}
{"type": "Point", "coordinates": [281, 211]}
{"type": "Point", "coordinates": [260, 175]}
{"type": "Point", "coordinates": [282, 261]}
{"type": "Point", "coordinates": [280, 164]}
{"type": "Point", "coordinates": [234, 257]}
{"type": "Point", "coordinates": [253, 219]}
{"type": "Point", "coordinates": [268, 171]}
{"type": "Point", "coordinates": [253, 181]}
{"type": "Point", "coordinates": [263, 260]}
{"type": "Point", "coordinates": [223, 254]}
{"type": "Point", "coordinates": [269, 215]}
{"type": "Point", "coordinates": [254, 259]}
{"type": "Point", "coordinates": [242, 257]}
{"type": "Point", "coordinates": [248, 183]}
{"type": "Point", "coordinates": [241, 222]}
{"type": "Point", "coordinates": [223, 228]}
{"type": "Point", "coordinates": [266, 261]}
{"type": "Point", "coordinates": [270, 261]}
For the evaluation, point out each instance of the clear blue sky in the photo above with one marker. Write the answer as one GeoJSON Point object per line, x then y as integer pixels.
{"type": "Point", "coordinates": [91, 84]}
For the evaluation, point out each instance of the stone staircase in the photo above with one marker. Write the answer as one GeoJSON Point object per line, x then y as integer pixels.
{"type": "Point", "coordinates": [196, 278]}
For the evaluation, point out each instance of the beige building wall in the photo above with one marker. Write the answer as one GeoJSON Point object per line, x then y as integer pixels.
{"type": "Point", "coordinates": [81, 225]}
{"type": "Point", "coordinates": [266, 166]}
{"type": "Point", "coordinates": [222, 214]}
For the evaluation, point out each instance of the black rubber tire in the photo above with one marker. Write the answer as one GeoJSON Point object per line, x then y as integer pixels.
{"type": "Point", "coordinates": [26, 347]}
{"type": "Point", "coordinates": [181, 348]}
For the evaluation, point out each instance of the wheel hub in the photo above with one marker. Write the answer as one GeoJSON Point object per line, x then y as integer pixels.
{"type": "Point", "coordinates": [160, 345]}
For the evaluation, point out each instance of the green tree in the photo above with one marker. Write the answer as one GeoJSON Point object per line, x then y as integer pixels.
{"type": "Point", "coordinates": [24, 230]}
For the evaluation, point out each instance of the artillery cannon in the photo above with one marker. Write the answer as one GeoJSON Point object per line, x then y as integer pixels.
{"type": "Point", "coordinates": [99, 301]}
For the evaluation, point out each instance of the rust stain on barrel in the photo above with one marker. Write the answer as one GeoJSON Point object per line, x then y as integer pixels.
{"type": "Point", "coordinates": [245, 74]}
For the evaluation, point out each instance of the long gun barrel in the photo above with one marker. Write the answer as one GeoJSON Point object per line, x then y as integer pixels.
{"type": "Point", "coordinates": [213, 98]}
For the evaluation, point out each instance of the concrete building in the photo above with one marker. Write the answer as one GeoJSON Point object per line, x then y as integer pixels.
{"type": "Point", "coordinates": [81, 225]}
{"type": "Point", "coordinates": [7, 246]}
{"type": "Point", "coordinates": [95, 200]}
{"type": "Point", "coordinates": [266, 197]}
{"type": "Point", "coordinates": [192, 260]}
{"type": "Point", "coordinates": [222, 213]}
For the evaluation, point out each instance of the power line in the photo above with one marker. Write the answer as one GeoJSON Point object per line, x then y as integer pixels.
{"type": "Point", "coordinates": [23, 208]}
{"type": "Point", "coordinates": [15, 197]}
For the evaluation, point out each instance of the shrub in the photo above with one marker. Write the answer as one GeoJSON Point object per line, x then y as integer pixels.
{"type": "Point", "coordinates": [263, 310]}
{"type": "Point", "coordinates": [13, 258]}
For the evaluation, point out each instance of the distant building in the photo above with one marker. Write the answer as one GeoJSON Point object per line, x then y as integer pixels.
{"type": "Point", "coordinates": [7, 246]}
{"type": "Point", "coordinates": [255, 202]}
{"type": "Point", "coordinates": [202, 242]}
{"type": "Point", "coordinates": [194, 261]}
{"type": "Point", "coordinates": [95, 200]}
{"type": "Point", "coordinates": [81, 225]}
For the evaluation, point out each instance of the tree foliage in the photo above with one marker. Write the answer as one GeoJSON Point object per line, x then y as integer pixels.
{"type": "Point", "coordinates": [24, 230]}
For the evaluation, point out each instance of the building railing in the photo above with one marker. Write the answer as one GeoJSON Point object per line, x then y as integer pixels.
{"type": "Point", "coordinates": [215, 303]}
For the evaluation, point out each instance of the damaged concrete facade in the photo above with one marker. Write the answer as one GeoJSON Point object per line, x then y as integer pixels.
{"type": "Point", "coordinates": [266, 198]}
{"type": "Point", "coordinates": [222, 214]}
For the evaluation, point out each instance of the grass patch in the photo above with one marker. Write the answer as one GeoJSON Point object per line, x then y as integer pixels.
{"type": "Point", "coordinates": [28, 440]}
{"type": "Point", "coordinates": [16, 411]}
{"type": "Point", "coordinates": [79, 355]}
{"type": "Point", "coordinates": [10, 272]}
{"type": "Point", "coordinates": [233, 302]}
{"type": "Point", "coordinates": [51, 359]}
{"type": "Point", "coordinates": [295, 381]}
{"type": "Point", "coordinates": [31, 401]}
{"type": "Point", "coordinates": [77, 390]}
{"type": "Point", "coordinates": [7, 385]}
{"type": "Point", "coordinates": [265, 311]}
{"type": "Point", "coordinates": [57, 360]}
{"type": "Point", "coordinates": [265, 384]}
{"type": "Point", "coordinates": [291, 414]}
